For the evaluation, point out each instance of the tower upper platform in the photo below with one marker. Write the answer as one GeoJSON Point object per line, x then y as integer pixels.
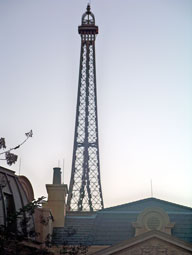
{"type": "Point", "coordinates": [88, 23]}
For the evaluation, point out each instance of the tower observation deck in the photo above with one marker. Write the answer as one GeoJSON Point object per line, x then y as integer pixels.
{"type": "Point", "coordinates": [85, 193]}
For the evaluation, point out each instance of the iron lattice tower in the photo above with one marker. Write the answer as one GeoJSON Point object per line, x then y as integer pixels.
{"type": "Point", "coordinates": [85, 192]}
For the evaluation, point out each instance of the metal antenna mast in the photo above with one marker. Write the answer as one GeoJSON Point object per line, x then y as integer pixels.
{"type": "Point", "coordinates": [85, 192]}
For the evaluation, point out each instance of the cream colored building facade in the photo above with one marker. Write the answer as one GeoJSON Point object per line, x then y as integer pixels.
{"type": "Point", "coordinates": [145, 227]}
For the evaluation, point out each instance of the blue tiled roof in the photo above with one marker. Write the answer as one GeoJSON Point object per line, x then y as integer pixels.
{"type": "Point", "coordinates": [140, 205]}
{"type": "Point", "coordinates": [112, 225]}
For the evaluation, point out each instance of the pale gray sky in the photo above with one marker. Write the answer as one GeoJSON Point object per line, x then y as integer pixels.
{"type": "Point", "coordinates": [144, 60]}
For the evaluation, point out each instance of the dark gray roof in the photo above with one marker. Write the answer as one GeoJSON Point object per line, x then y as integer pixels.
{"type": "Point", "coordinates": [11, 189]}
{"type": "Point", "coordinates": [112, 225]}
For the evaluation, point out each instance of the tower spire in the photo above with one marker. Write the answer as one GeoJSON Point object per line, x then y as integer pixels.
{"type": "Point", "coordinates": [88, 7]}
{"type": "Point", "coordinates": [85, 193]}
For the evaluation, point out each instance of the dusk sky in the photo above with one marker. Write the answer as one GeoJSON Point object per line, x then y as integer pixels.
{"type": "Point", "coordinates": [144, 89]}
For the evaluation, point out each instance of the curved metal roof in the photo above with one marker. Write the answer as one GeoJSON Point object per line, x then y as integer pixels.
{"type": "Point", "coordinates": [13, 194]}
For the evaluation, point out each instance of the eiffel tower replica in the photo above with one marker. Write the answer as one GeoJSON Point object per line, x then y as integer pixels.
{"type": "Point", "coordinates": [85, 193]}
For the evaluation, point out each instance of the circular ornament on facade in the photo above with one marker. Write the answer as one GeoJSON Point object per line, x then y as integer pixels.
{"type": "Point", "coordinates": [153, 222]}
{"type": "Point", "coordinates": [152, 219]}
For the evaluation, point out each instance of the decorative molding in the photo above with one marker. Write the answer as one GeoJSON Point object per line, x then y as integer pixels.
{"type": "Point", "coordinates": [153, 219]}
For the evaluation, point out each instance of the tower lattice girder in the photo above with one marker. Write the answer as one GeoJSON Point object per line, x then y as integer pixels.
{"type": "Point", "coordinates": [85, 192]}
